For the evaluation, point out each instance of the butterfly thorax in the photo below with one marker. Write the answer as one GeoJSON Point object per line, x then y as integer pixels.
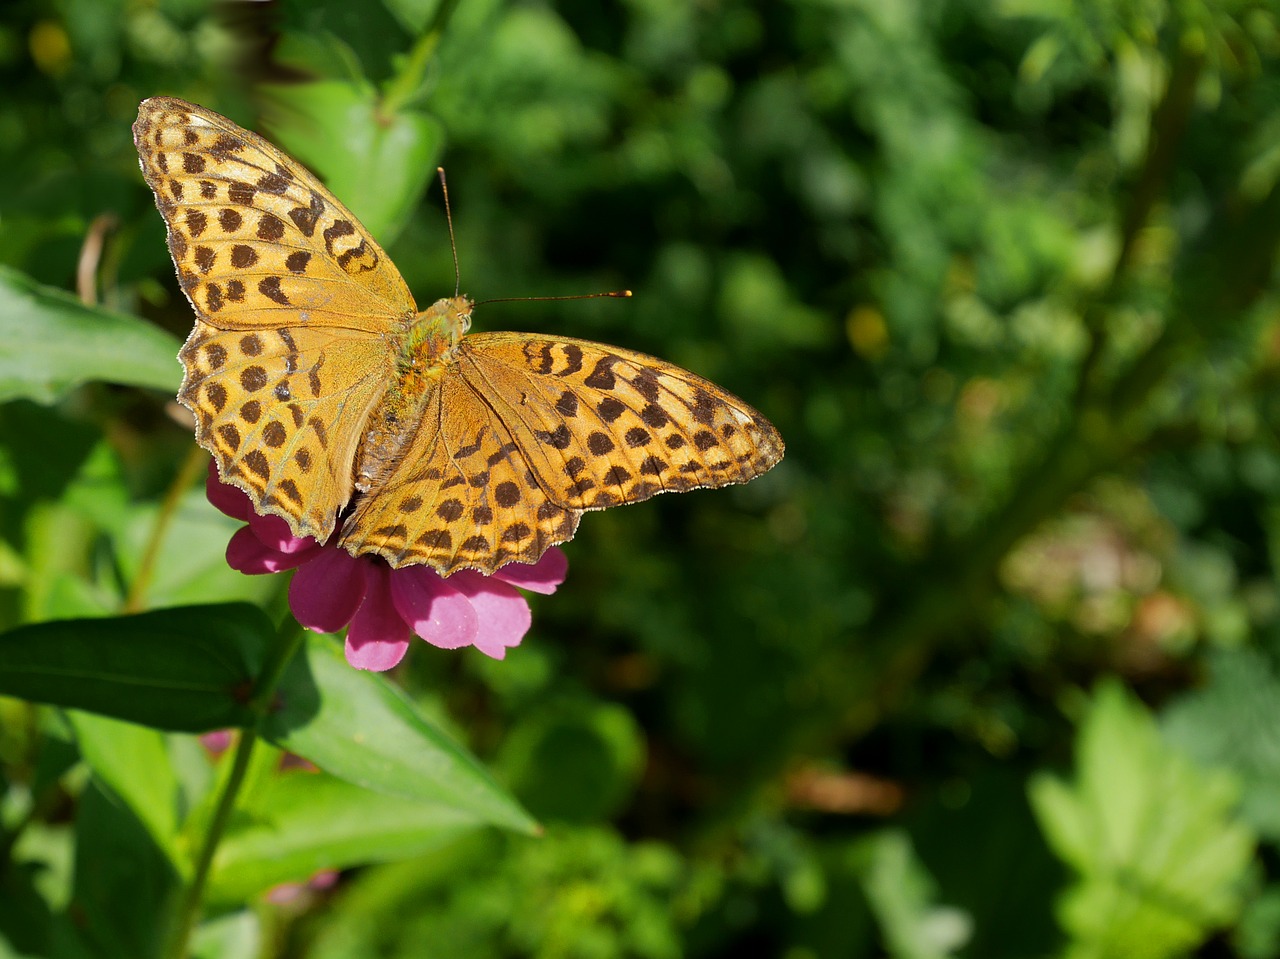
{"type": "Point", "coordinates": [432, 334]}
{"type": "Point", "coordinates": [423, 354]}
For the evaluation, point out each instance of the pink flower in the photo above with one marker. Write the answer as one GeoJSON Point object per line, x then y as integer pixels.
{"type": "Point", "coordinates": [384, 607]}
{"type": "Point", "coordinates": [217, 742]}
{"type": "Point", "coordinates": [293, 892]}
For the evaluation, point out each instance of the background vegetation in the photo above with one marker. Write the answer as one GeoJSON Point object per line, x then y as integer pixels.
{"type": "Point", "coordinates": [986, 667]}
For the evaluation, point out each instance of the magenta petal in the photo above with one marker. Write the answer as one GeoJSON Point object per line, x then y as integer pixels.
{"type": "Point", "coordinates": [433, 608]}
{"type": "Point", "coordinates": [326, 592]}
{"type": "Point", "coordinates": [275, 534]}
{"type": "Point", "coordinates": [503, 613]}
{"type": "Point", "coordinates": [272, 530]}
{"type": "Point", "coordinates": [378, 637]}
{"type": "Point", "coordinates": [227, 498]}
{"type": "Point", "coordinates": [247, 553]}
{"type": "Point", "coordinates": [217, 742]}
{"type": "Point", "coordinates": [540, 577]}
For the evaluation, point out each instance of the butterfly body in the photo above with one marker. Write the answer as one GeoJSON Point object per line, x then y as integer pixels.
{"type": "Point", "coordinates": [425, 351]}
{"type": "Point", "coordinates": [433, 334]}
{"type": "Point", "coordinates": [334, 403]}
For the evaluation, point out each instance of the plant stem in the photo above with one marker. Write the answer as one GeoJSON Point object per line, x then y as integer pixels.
{"type": "Point", "coordinates": [189, 907]}
{"type": "Point", "coordinates": [186, 476]}
{"type": "Point", "coordinates": [407, 85]}
{"type": "Point", "coordinates": [288, 638]}
{"type": "Point", "coordinates": [1168, 126]}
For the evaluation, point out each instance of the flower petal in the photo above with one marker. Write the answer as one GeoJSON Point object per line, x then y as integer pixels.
{"type": "Point", "coordinates": [378, 637]}
{"type": "Point", "coordinates": [217, 742]}
{"type": "Point", "coordinates": [503, 613]}
{"type": "Point", "coordinates": [540, 577]}
{"type": "Point", "coordinates": [275, 534]}
{"type": "Point", "coordinates": [433, 608]}
{"type": "Point", "coordinates": [272, 530]}
{"type": "Point", "coordinates": [248, 554]}
{"type": "Point", "coordinates": [227, 498]}
{"type": "Point", "coordinates": [327, 591]}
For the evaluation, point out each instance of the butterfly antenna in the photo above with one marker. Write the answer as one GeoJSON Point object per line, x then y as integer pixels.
{"type": "Point", "coordinates": [453, 244]}
{"type": "Point", "coordinates": [576, 296]}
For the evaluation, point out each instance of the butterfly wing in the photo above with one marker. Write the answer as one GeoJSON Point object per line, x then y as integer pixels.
{"type": "Point", "coordinates": [282, 411]}
{"type": "Point", "coordinates": [601, 426]}
{"type": "Point", "coordinates": [523, 433]}
{"type": "Point", "coordinates": [460, 496]}
{"type": "Point", "coordinates": [258, 242]}
{"type": "Point", "coordinates": [294, 302]}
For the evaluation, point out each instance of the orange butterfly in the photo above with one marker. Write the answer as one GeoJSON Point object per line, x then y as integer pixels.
{"type": "Point", "coordinates": [331, 401]}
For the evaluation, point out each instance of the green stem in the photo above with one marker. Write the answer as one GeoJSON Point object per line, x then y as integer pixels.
{"type": "Point", "coordinates": [189, 907]}
{"type": "Point", "coordinates": [190, 469]}
{"type": "Point", "coordinates": [408, 82]}
{"type": "Point", "coordinates": [289, 638]}
{"type": "Point", "coordinates": [1168, 125]}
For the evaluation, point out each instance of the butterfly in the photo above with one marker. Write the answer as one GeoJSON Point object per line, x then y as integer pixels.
{"type": "Point", "coordinates": [324, 394]}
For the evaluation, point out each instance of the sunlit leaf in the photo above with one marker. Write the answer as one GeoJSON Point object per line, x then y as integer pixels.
{"type": "Point", "coordinates": [51, 342]}
{"type": "Point", "coordinates": [1160, 857]}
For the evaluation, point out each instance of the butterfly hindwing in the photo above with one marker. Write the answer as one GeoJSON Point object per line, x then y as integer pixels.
{"type": "Point", "coordinates": [523, 433]}
{"type": "Point", "coordinates": [460, 495]}
{"type": "Point", "coordinates": [282, 411]}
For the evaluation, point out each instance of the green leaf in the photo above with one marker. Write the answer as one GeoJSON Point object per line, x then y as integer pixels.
{"type": "Point", "coordinates": [302, 823]}
{"type": "Point", "coordinates": [134, 762]}
{"type": "Point", "coordinates": [237, 933]}
{"type": "Point", "coordinates": [1160, 856]}
{"type": "Point", "coordinates": [189, 670]}
{"type": "Point", "coordinates": [902, 896]}
{"type": "Point", "coordinates": [413, 14]}
{"type": "Point", "coordinates": [359, 727]}
{"type": "Point", "coordinates": [184, 670]}
{"type": "Point", "coordinates": [190, 566]}
{"type": "Point", "coordinates": [122, 882]}
{"type": "Point", "coordinates": [51, 342]}
{"type": "Point", "coordinates": [574, 760]}
{"type": "Point", "coordinates": [1233, 720]}
{"type": "Point", "coordinates": [376, 163]}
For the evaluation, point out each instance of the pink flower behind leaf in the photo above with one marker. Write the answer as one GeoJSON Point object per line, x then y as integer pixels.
{"type": "Point", "coordinates": [384, 607]}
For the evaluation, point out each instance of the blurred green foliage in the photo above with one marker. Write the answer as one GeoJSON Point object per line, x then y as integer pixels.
{"type": "Point", "coordinates": [1004, 277]}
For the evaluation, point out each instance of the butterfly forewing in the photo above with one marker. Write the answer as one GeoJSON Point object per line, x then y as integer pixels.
{"type": "Point", "coordinates": [601, 426]}
{"type": "Point", "coordinates": [256, 239]}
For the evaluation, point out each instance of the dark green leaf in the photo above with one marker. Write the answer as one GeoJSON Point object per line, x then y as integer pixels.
{"type": "Point", "coordinates": [122, 879]}
{"type": "Point", "coordinates": [1233, 720]}
{"type": "Point", "coordinates": [134, 762]}
{"type": "Point", "coordinates": [575, 761]}
{"type": "Point", "coordinates": [184, 670]}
